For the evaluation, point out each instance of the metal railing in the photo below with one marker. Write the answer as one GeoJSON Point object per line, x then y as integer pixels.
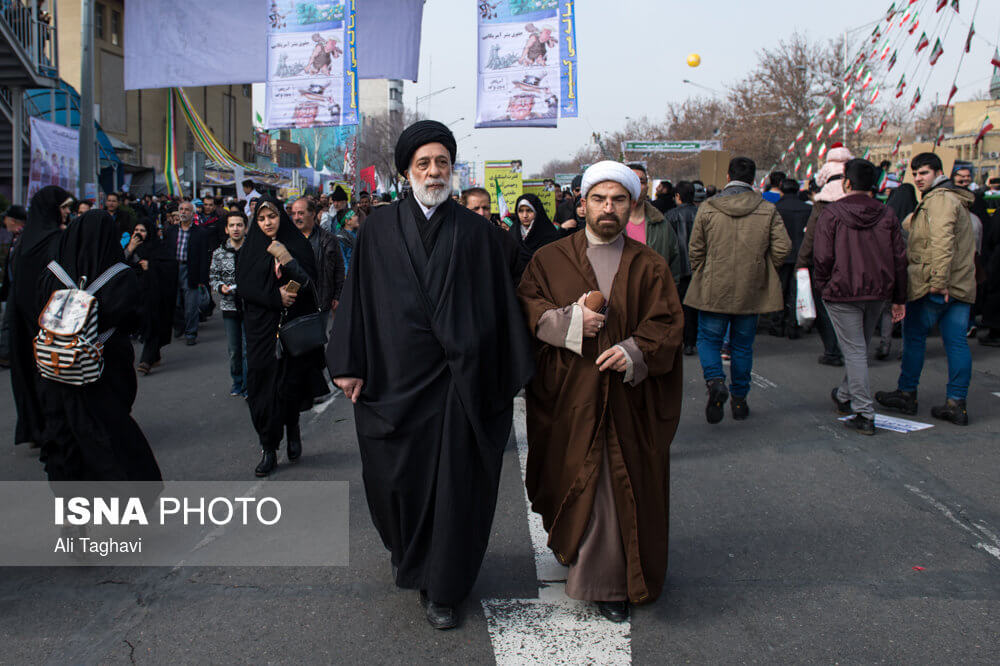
{"type": "Point", "coordinates": [34, 32]}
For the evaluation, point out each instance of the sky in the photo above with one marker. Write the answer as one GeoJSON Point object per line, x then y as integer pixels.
{"type": "Point", "coordinates": [632, 61]}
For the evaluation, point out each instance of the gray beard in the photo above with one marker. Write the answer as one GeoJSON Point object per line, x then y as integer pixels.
{"type": "Point", "coordinates": [428, 197]}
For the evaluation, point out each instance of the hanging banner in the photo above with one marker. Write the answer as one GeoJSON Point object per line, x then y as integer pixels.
{"type": "Point", "coordinates": [503, 176]}
{"type": "Point", "coordinates": [54, 151]}
{"type": "Point", "coordinates": [527, 63]}
{"type": "Point", "coordinates": [544, 191]}
{"type": "Point", "coordinates": [312, 70]}
{"type": "Point", "coordinates": [670, 146]}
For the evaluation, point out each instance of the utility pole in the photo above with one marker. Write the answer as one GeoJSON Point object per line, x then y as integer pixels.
{"type": "Point", "coordinates": [88, 135]}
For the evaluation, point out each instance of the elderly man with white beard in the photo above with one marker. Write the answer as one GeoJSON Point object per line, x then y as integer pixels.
{"type": "Point", "coordinates": [430, 345]}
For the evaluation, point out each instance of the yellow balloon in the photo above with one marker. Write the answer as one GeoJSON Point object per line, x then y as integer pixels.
{"type": "Point", "coordinates": [694, 60]}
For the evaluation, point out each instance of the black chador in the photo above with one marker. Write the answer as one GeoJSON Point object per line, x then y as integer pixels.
{"type": "Point", "coordinates": [430, 322]}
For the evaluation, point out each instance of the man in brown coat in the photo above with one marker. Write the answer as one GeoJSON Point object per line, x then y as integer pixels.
{"type": "Point", "coordinates": [605, 402]}
{"type": "Point", "coordinates": [737, 244]}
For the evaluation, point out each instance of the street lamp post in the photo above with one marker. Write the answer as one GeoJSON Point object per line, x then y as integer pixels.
{"type": "Point", "coordinates": [429, 95]}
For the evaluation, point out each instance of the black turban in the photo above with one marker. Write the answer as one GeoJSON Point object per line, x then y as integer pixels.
{"type": "Point", "coordinates": [339, 194]}
{"type": "Point", "coordinates": [420, 134]}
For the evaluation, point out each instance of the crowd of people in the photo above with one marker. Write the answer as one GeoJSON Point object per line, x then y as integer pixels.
{"type": "Point", "coordinates": [431, 314]}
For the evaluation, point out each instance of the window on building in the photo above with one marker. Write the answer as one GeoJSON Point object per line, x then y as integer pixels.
{"type": "Point", "coordinates": [99, 20]}
{"type": "Point", "coordinates": [116, 22]}
{"type": "Point", "coordinates": [395, 95]}
{"type": "Point", "coordinates": [248, 155]}
{"type": "Point", "coordinates": [247, 89]}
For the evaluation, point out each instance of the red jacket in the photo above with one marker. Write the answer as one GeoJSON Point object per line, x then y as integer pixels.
{"type": "Point", "coordinates": [859, 253]}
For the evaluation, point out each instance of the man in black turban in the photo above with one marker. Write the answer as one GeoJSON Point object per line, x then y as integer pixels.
{"type": "Point", "coordinates": [430, 345]}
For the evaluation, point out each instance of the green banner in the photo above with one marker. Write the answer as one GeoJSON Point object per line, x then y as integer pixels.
{"type": "Point", "coordinates": [670, 146]}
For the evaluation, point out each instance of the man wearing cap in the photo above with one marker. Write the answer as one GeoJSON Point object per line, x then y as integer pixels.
{"type": "Point", "coordinates": [605, 402]}
{"type": "Point", "coordinates": [567, 210]}
{"type": "Point", "coordinates": [430, 345]}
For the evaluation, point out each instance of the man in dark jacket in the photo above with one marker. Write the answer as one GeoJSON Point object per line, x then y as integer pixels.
{"type": "Point", "coordinates": [665, 197]}
{"type": "Point", "coordinates": [859, 263]}
{"type": "Point", "coordinates": [681, 219]}
{"type": "Point", "coordinates": [567, 209]}
{"type": "Point", "coordinates": [794, 213]}
{"type": "Point", "coordinates": [192, 246]}
{"type": "Point", "coordinates": [326, 249]}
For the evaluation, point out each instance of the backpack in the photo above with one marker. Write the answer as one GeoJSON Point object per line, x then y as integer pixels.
{"type": "Point", "coordinates": [68, 348]}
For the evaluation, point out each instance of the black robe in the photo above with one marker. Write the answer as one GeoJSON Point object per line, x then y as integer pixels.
{"type": "Point", "coordinates": [28, 258]}
{"type": "Point", "coordinates": [278, 388]}
{"type": "Point", "coordinates": [158, 293]}
{"type": "Point", "coordinates": [89, 433]}
{"type": "Point", "coordinates": [430, 322]}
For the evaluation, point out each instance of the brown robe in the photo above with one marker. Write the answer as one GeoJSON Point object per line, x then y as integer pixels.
{"type": "Point", "coordinates": [577, 415]}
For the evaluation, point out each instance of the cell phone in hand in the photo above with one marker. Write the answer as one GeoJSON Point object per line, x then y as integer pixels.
{"type": "Point", "coordinates": [293, 287]}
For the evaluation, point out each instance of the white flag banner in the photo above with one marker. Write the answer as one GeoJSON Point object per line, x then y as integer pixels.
{"type": "Point", "coordinates": [312, 73]}
{"type": "Point", "coordinates": [194, 43]}
{"type": "Point", "coordinates": [178, 43]}
{"type": "Point", "coordinates": [527, 63]}
{"type": "Point", "coordinates": [54, 152]}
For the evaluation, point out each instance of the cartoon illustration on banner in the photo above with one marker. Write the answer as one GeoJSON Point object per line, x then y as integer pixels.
{"type": "Point", "coordinates": [527, 63]}
{"type": "Point", "coordinates": [311, 65]}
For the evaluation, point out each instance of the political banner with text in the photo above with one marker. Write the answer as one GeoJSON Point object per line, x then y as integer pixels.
{"type": "Point", "coordinates": [545, 191]}
{"type": "Point", "coordinates": [503, 178]}
{"type": "Point", "coordinates": [312, 70]}
{"type": "Point", "coordinates": [54, 153]}
{"type": "Point", "coordinates": [527, 63]}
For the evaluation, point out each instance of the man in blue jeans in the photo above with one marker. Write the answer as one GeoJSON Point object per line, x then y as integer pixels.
{"type": "Point", "coordinates": [189, 244]}
{"type": "Point", "coordinates": [941, 290]}
{"type": "Point", "coordinates": [738, 241]}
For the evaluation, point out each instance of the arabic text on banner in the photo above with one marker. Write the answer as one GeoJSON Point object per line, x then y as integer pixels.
{"type": "Point", "coordinates": [506, 174]}
{"type": "Point", "coordinates": [312, 71]}
{"type": "Point", "coordinates": [54, 153]}
{"type": "Point", "coordinates": [527, 63]}
{"type": "Point", "coordinates": [545, 192]}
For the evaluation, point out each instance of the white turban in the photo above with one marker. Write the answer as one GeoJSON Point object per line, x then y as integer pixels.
{"type": "Point", "coordinates": [610, 170]}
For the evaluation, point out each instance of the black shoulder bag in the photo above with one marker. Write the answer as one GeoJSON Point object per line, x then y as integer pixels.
{"type": "Point", "coordinates": [303, 334]}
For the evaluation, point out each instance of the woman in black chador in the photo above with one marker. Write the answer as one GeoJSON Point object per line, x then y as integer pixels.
{"type": "Point", "coordinates": [279, 386]}
{"type": "Point", "coordinates": [156, 266]}
{"type": "Point", "coordinates": [28, 258]}
{"type": "Point", "coordinates": [89, 434]}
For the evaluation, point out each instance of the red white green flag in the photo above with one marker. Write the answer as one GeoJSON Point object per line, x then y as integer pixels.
{"type": "Point", "coordinates": [984, 130]}
{"type": "Point", "coordinates": [941, 4]}
{"type": "Point", "coordinates": [822, 151]}
{"type": "Point", "coordinates": [892, 61]}
{"type": "Point", "coordinates": [857, 125]}
{"type": "Point", "coordinates": [996, 58]}
{"type": "Point", "coordinates": [916, 100]}
{"type": "Point", "coordinates": [834, 129]}
{"type": "Point", "coordinates": [833, 114]}
{"type": "Point", "coordinates": [883, 125]}
{"type": "Point", "coordinates": [936, 51]}
{"type": "Point", "coordinates": [901, 86]}
{"type": "Point", "coordinates": [896, 146]}
{"type": "Point", "coordinates": [968, 40]}
{"type": "Point", "coordinates": [809, 149]}
{"type": "Point", "coordinates": [923, 42]}
{"type": "Point", "coordinates": [954, 91]}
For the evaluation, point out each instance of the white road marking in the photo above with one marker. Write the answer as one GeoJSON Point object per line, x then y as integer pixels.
{"type": "Point", "coordinates": [990, 541]}
{"type": "Point", "coordinates": [318, 409]}
{"type": "Point", "coordinates": [997, 394]}
{"type": "Point", "coordinates": [552, 629]}
{"type": "Point", "coordinates": [762, 382]}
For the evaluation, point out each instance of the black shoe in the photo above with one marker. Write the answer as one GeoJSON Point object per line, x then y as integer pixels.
{"type": "Point", "coordinates": [439, 616]}
{"type": "Point", "coordinates": [884, 349]}
{"type": "Point", "coordinates": [616, 611]}
{"type": "Point", "coordinates": [294, 442]}
{"type": "Point", "coordinates": [953, 411]}
{"type": "Point", "coordinates": [191, 342]}
{"type": "Point", "coordinates": [843, 407]}
{"type": "Point", "coordinates": [835, 361]}
{"type": "Point", "coordinates": [690, 350]}
{"type": "Point", "coordinates": [897, 400]}
{"type": "Point", "coordinates": [717, 396]}
{"type": "Point", "coordinates": [741, 410]}
{"type": "Point", "coordinates": [990, 341]}
{"type": "Point", "coordinates": [862, 424]}
{"type": "Point", "coordinates": [267, 463]}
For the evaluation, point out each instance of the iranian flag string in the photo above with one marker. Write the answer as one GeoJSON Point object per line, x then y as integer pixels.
{"type": "Point", "coordinates": [984, 130]}
{"type": "Point", "coordinates": [936, 51]}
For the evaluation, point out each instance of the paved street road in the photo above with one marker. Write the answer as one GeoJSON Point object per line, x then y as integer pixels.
{"type": "Point", "coordinates": [791, 540]}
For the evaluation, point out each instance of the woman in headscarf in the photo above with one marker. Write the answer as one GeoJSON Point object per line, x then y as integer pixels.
{"type": "Point", "coordinates": [89, 432]}
{"type": "Point", "coordinates": [28, 259]}
{"type": "Point", "coordinates": [279, 386]}
{"type": "Point", "coordinates": [532, 225]}
{"type": "Point", "coordinates": [579, 220]}
{"type": "Point", "coordinates": [903, 200]}
{"type": "Point", "coordinates": [156, 267]}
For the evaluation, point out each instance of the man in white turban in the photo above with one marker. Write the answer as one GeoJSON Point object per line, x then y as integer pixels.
{"type": "Point", "coordinates": [605, 401]}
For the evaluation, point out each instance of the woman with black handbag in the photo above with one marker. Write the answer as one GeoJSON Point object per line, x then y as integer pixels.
{"type": "Point", "coordinates": [275, 271]}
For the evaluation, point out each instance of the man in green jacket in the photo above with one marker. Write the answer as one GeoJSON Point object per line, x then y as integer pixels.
{"type": "Point", "coordinates": [647, 225]}
{"type": "Point", "coordinates": [941, 289]}
{"type": "Point", "coordinates": [737, 244]}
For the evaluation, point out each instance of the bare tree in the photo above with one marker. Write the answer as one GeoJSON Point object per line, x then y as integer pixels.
{"type": "Point", "coordinates": [377, 143]}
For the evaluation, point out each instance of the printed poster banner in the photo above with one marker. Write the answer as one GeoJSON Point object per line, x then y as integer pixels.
{"type": "Point", "coordinates": [527, 63]}
{"type": "Point", "coordinates": [504, 175]}
{"type": "Point", "coordinates": [312, 69]}
{"type": "Point", "coordinates": [670, 146]}
{"type": "Point", "coordinates": [543, 189]}
{"type": "Point", "coordinates": [54, 152]}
